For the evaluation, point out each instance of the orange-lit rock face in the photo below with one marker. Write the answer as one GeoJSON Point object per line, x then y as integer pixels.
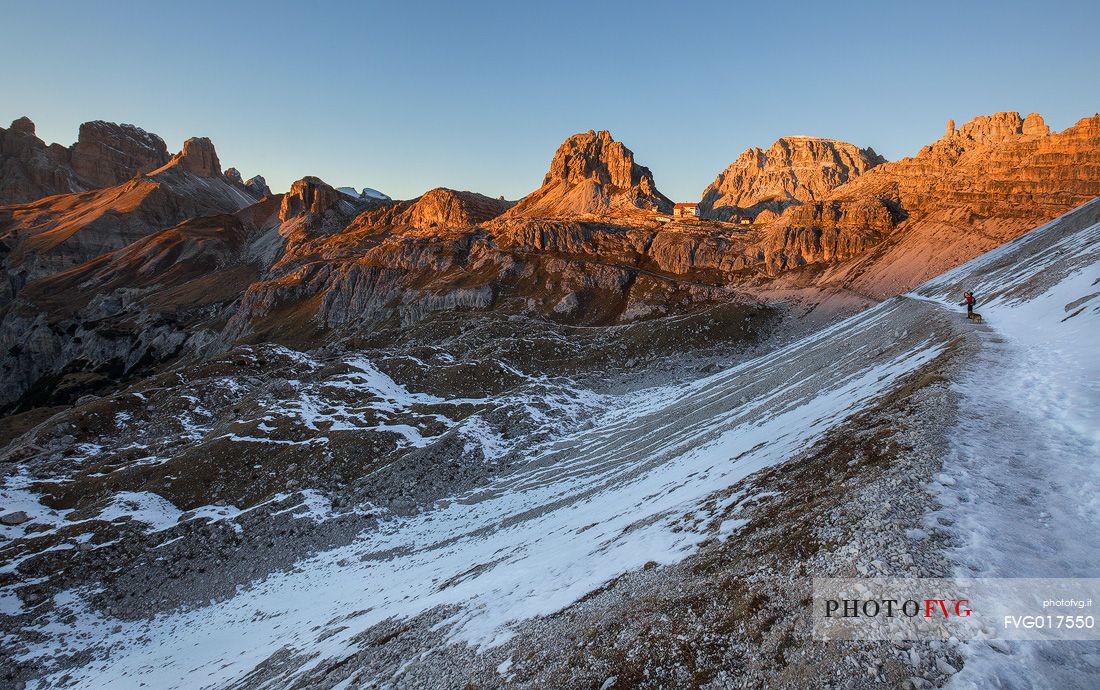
{"type": "Point", "coordinates": [1034, 126]}
{"type": "Point", "coordinates": [199, 158]}
{"type": "Point", "coordinates": [308, 196]}
{"type": "Point", "coordinates": [438, 208]}
{"type": "Point", "coordinates": [592, 173]}
{"type": "Point", "coordinates": [980, 185]}
{"type": "Point", "coordinates": [446, 207]}
{"type": "Point", "coordinates": [992, 164]}
{"type": "Point", "coordinates": [105, 154]}
{"type": "Point", "coordinates": [58, 232]}
{"type": "Point", "coordinates": [794, 170]}
{"type": "Point", "coordinates": [594, 156]}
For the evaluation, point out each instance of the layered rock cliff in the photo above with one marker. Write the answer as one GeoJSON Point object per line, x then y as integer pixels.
{"type": "Point", "coordinates": [105, 154]}
{"type": "Point", "coordinates": [59, 232]}
{"type": "Point", "coordinates": [309, 196]}
{"type": "Point", "coordinates": [978, 186]}
{"type": "Point", "coordinates": [991, 164]}
{"type": "Point", "coordinates": [793, 170]}
{"type": "Point", "coordinates": [437, 208]}
{"type": "Point", "coordinates": [592, 173]}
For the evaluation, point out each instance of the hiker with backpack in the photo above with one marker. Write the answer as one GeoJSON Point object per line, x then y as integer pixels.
{"type": "Point", "coordinates": [969, 301]}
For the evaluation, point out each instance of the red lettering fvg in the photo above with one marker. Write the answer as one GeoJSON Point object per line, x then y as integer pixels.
{"type": "Point", "coordinates": [935, 607]}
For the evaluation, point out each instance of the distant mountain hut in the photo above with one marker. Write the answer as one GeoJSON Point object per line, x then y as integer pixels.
{"type": "Point", "coordinates": [685, 210]}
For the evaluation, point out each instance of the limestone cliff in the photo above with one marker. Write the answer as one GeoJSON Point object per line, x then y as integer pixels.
{"type": "Point", "coordinates": [105, 154]}
{"type": "Point", "coordinates": [437, 208]}
{"type": "Point", "coordinates": [793, 170]}
{"type": "Point", "coordinates": [978, 186]}
{"type": "Point", "coordinates": [58, 232]}
{"type": "Point", "coordinates": [591, 173]}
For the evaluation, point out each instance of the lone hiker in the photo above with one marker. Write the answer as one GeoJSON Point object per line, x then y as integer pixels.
{"type": "Point", "coordinates": [968, 296]}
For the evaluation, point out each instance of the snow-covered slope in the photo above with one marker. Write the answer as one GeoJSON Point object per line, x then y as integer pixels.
{"type": "Point", "coordinates": [583, 510]}
{"type": "Point", "coordinates": [1020, 483]}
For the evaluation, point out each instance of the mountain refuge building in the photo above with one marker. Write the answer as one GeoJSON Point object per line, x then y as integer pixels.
{"type": "Point", "coordinates": [685, 210]}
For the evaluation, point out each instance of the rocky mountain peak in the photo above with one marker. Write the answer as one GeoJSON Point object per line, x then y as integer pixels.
{"type": "Point", "coordinates": [255, 186]}
{"type": "Point", "coordinates": [437, 208]}
{"type": "Point", "coordinates": [106, 154]}
{"type": "Point", "coordinates": [592, 173]}
{"type": "Point", "coordinates": [258, 185]}
{"type": "Point", "coordinates": [23, 125]}
{"type": "Point", "coordinates": [309, 196]}
{"type": "Point", "coordinates": [199, 158]}
{"type": "Point", "coordinates": [1035, 126]}
{"type": "Point", "coordinates": [443, 207]}
{"type": "Point", "coordinates": [594, 156]}
{"type": "Point", "coordinates": [794, 170]}
{"type": "Point", "coordinates": [985, 132]}
{"type": "Point", "coordinates": [991, 129]}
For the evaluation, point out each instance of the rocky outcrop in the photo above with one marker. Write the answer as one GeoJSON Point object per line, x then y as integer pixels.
{"type": "Point", "coordinates": [821, 232]}
{"type": "Point", "coordinates": [29, 169]}
{"type": "Point", "coordinates": [258, 186]}
{"type": "Point", "coordinates": [197, 157]}
{"type": "Point", "coordinates": [446, 207]}
{"type": "Point", "coordinates": [591, 173]}
{"type": "Point", "coordinates": [309, 197]}
{"type": "Point", "coordinates": [107, 154]}
{"type": "Point", "coordinates": [313, 209]}
{"type": "Point", "coordinates": [998, 127]}
{"type": "Point", "coordinates": [255, 186]}
{"type": "Point", "coordinates": [980, 185]}
{"type": "Point", "coordinates": [438, 208]}
{"type": "Point", "coordinates": [23, 125]}
{"type": "Point", "coordinates": [792, 171]}
{"type": "Point", "coordinates": [1034, 126]}
{"type": "Point", "coordinates": [104, 155]}
{"type": "Point", "coordinates": [58, 232]}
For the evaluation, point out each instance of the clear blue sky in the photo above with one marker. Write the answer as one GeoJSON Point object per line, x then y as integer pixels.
{"type": "Point", "coordinates": [406, 96]}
